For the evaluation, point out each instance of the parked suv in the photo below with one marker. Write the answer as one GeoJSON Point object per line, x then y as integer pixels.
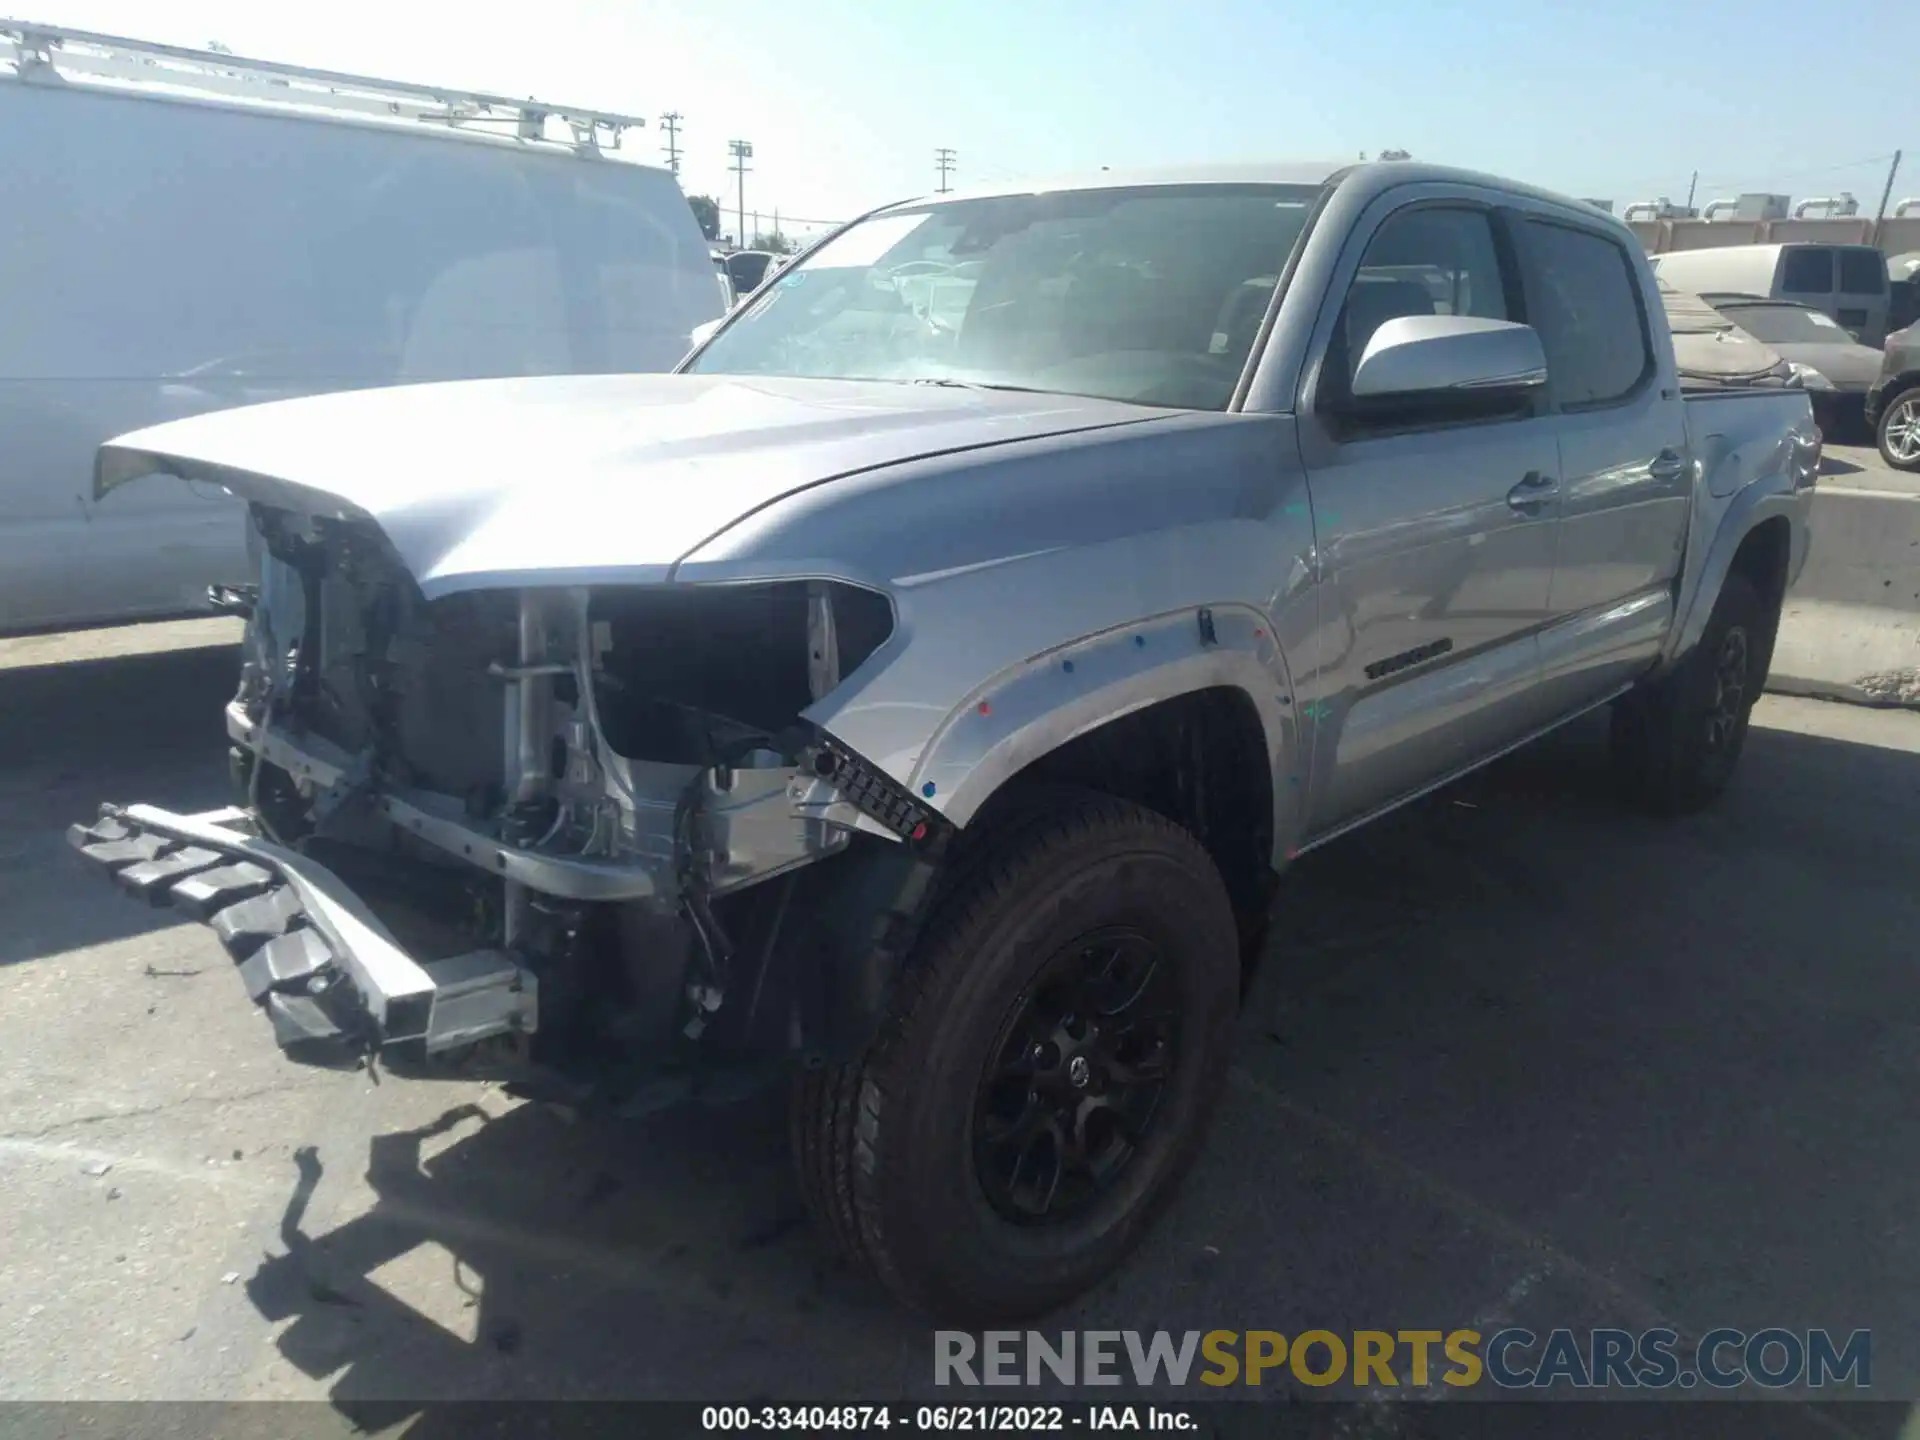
{"type": "Point", "coordinates": [1893, 404]}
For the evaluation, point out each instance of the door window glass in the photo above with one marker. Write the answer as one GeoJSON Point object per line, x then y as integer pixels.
{"type": "Point", "coordinates": [1424, 261]}
{"type": "Point", "coordinates": [1863, 272]}
{"type": "Point", "coordinates": [1590, 318]}
{"type": "Point", "coordinates": [1807, 272]}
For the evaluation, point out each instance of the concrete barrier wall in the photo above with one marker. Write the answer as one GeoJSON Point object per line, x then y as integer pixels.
{"type": "Point", "coordinates": [1851, 628]}
{"type": "Point", "coordinates": [1891, 236]}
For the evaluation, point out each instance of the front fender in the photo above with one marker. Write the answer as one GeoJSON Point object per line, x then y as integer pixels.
{"type": "Point", "coordinates": [1030, 709]}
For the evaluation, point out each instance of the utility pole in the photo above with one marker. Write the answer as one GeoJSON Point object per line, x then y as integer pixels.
{"type": "Point", "coordinates": [741, 151]}
{"type": "Point", "coordinates": [945, 161]}
{"type": "Point", "coordinates": [671, 123]}
{"type": "Point", "coordinates": [1892, 170]}
{"type": "Point", "coordinates": [1690, 188]}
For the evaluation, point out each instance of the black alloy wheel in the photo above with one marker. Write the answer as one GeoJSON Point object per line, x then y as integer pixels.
{"type": "Point", "coordinates": [1077, 1077]}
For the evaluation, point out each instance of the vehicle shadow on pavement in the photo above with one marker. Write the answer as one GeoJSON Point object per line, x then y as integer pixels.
{"type": "Point", "coordinates": [1518, 1056]}
{"type": "Point", "coordinates": [590, 1260]}
{"type": "Point", "coordinates": [74, 735]}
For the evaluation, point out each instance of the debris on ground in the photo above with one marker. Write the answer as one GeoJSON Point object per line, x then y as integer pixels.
{"type": "Point", "coordinates": [1894, 687]}
{"type": "Point", "coordinates": [96, 1167]}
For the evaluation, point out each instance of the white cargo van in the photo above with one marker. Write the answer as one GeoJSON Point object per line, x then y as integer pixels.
{"type": "Point", "coordinates": [1847, 282]}
{"type": "Point", "coordinates": [181, 232]}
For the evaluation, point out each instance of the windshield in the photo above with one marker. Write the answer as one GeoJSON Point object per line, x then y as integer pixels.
{"type": "Point", "coordinates": [1151, 295]}
{"type": "Point", "coordinates": [1787, 325]}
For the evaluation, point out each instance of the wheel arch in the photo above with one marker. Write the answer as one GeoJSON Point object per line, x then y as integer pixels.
{"type": "Point", "coordinates": [1896, 387]}
{"type": "Point", "coordinates": [1030, 711]}
{"type": "Point", "coordinates": [1762, 533]}
{"type": "Point", "coordinates": [1200, 758]}
{"type": "Point", "coordinates": [1763, 559]}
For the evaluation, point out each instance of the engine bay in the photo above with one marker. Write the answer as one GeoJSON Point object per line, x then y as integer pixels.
{"type": "Point", "coordinates": [607, 784]}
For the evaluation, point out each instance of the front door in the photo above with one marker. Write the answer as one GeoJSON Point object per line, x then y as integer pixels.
{"type": "Point", "coordinates": [1434, 531]}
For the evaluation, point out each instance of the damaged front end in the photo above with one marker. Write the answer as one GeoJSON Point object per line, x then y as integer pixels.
{"type": "Point", "coordinates": [580, 834]}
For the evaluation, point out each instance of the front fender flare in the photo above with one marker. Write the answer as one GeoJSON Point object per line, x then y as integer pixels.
{"type": "Point", "coordinates": [1031, 709]}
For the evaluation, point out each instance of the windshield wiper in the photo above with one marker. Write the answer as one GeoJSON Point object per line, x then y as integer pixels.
{"type": "Point", "coordinates": [952, 384]}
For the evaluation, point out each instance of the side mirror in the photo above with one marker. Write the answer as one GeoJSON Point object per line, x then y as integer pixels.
{"type": "Point", "coordinates": [703, 332]}
{"type": "Point", "coordinates": [1462, 355]}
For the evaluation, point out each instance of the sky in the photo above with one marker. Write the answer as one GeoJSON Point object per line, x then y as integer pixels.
{"type": "Point", "coordinates": [845, 101]}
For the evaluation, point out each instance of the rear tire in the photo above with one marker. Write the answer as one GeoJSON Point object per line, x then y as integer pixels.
{"type": "Point", "coordinates": [1898, 433]}
{"type": "Point", "coordinates": [1675, 741]}
{"type": "Point", "coordinates": [1055, 1048]}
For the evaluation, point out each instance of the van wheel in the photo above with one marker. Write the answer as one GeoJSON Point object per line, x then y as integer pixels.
{"type": "Point", "coordinates": [1675, 741]}
{"type": "Point", "coordinates": [1055, 1048]}
{"type": "Point", "coordinates": [1898, 434]}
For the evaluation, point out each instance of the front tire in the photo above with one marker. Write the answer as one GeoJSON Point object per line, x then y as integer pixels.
{"type": "Point", "coordinates": [1056, 1047]}
{"type": "Point", "coordinates": [1898, 434]}
{"type": "Point", "coordinates": [1676, 740]}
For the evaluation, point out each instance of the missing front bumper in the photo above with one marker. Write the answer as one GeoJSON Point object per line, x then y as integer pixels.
{"type": "Point", "coordinates": [330, 977]}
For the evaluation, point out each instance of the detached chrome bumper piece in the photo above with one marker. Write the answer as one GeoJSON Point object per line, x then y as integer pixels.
{"type": "Point", "coordinates": [326, 971]}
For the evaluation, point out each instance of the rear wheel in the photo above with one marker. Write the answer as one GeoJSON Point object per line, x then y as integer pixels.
{"type": "Point", "coordinates": [1675, 742]}
{"type": "Point", "coordinates": [1057, 1045]}
{"type": "Point", "coordinates": [1899, 430]}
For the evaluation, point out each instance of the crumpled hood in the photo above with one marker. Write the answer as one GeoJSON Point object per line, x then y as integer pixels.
{"type": "Point", "coordinates": [587, 479]}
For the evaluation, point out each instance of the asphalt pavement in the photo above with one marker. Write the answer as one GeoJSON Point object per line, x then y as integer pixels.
{"type": "Point", "coordinates": [1516, 1056]}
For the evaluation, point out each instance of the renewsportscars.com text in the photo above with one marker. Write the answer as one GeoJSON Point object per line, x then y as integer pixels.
{"type": "Point", "coordinates": [1514, 1358]}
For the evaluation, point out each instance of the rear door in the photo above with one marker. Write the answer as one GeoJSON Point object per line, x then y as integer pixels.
{"type": "Point", "coordinates": [1625, 473]}
{"type": "Point", "coordinates": [1830, 279]}
{"type": "Point", "coordinates": [1434, 530]}
{"type": "Point", "coordinates": [1861, 293]}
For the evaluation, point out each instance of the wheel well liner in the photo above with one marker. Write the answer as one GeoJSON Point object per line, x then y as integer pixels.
{"type": "Point", "coordinates": [1198, 758]}
{"type": "Point", "coordinates": [1762, 560]}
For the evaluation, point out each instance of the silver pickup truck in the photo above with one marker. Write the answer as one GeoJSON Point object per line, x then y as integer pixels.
{"type": "Point", "coordinates": [918, 693]}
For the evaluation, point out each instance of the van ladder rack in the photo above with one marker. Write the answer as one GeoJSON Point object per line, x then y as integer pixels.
{"type": "Point", "coordinates": [50, 53]}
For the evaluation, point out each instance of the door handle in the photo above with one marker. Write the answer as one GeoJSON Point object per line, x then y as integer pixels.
{"type": "Point", "coordinates": [1533, 492]}
{"type": "Point", "coordinates": [1668, 465]}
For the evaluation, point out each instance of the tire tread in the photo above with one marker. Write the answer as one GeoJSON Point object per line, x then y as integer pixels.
{"type": "Point", "coordinates": [839, 1120]}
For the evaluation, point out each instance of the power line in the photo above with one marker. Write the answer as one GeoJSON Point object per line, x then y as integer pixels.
{"type": "Point", "coordinates": [945, 161]}
{"type": "Point", "coordinates": [741, 151]}
{"type": "Point", "coordinates": [1711, 185]}
{"type": "Point", "coordinates": [671, 123]}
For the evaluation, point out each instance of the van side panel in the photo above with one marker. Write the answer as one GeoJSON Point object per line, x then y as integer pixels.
{"type": "Point", "coordinates": [162, 257]}
{"type": "Point", "coordinates": [1743, 269]}
{"type": "Point", "coordinates": [1771, 272]}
